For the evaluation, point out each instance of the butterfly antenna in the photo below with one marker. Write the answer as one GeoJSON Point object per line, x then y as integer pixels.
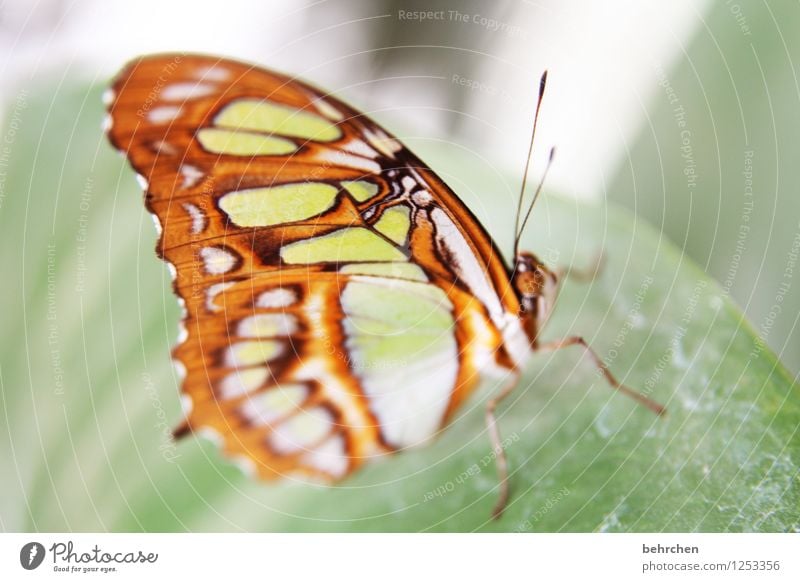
{"type": "Point", "coordinates": [535, 196]}
{"type": "Point", "coordinates": [517, 229]}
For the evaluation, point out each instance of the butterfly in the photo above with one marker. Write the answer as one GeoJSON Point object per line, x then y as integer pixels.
{"type": "Point", "coordinates": [340, 301]}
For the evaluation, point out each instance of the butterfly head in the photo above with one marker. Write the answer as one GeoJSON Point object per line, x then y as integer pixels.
{"type": "Point", "coordinates": [534, 285]}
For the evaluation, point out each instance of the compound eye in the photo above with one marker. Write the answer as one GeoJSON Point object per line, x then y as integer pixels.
{"type": "Point", "coordinates": [528, 283]}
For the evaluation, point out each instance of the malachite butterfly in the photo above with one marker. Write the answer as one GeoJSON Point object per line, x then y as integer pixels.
{"type": "Point", "coordinates": [340, 301]}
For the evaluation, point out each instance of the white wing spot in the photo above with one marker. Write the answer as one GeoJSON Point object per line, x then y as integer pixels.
{"type": "Point", "coordinates": [408, 183]}
{"type": "Point", "coordinates": [183, 333]}
{"type": "Point", "coordinates": [184, 91]}
{"type": "Point", "coordinates": [173, 272]}
{"type": "Point", "coordinates": [422, 198]}
{"type": "Point", "coordinates": [197, 216]}
{"type": "Point", "coordinates": [216, 260]}
{"type": "Point", "coordinates": [268, 325]}
{"type": "Point", "coordinates": [213, 73]}
{"type": "Point", "coordinates": [211, 295]}
{"type": "Point", "coordinates": [360, 147]}
{"type": "Point", "coordinates": [163, 114]}
{"type": "Point", "coordinates": [328, 110]}
{"type": "Point", "coordinates": [186, 404]}
{"type": "Point", "coordinates": [162, 147]}
{"type": "Point", "coordinates": [276, 298]}
{"type": "Point", "coordinates": [109, 96]}
{"type": "Point", "coordinates": [191, 175]}
{"type": "Point", "coordinates": [382, 142]}
{"type": "Point", "coordinates": [340, 158]}
{"type": "Point", "coordinates": [157, 223]}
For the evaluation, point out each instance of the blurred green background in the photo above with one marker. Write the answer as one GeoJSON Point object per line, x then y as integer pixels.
{"type": "Point", "coordinates": [86, 381]}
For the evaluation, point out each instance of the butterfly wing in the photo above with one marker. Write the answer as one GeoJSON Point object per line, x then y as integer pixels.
{"type": "Point", "coordinates": [339, 299]}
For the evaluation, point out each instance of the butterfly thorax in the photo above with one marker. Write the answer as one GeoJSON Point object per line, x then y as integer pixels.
{"type": "Point", "coordinates": [534, 285]}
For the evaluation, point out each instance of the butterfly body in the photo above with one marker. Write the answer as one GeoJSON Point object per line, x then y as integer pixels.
{"type": "Point", "coordinates": [340, 300]}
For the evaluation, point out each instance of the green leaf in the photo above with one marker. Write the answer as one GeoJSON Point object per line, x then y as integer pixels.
{"type": "Point", "coordinates": [715, 164]}
{"type": "Point", "coordinates": [89, 393]}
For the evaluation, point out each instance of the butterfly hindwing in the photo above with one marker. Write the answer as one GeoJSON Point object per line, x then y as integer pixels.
{"type": "Point", "coordinates": [340, 300]}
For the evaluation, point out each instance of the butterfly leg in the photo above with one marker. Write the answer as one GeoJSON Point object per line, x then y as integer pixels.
{"type": "Point", "coordinates": [603, 369]}
{"type": "Point", "coordinates": [497, 447]}
{"type": "Point", "coordinates": [583, 274]}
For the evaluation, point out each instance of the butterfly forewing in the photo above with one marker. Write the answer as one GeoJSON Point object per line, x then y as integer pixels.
{"type": "Point", "coordinates": [339, 299]}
